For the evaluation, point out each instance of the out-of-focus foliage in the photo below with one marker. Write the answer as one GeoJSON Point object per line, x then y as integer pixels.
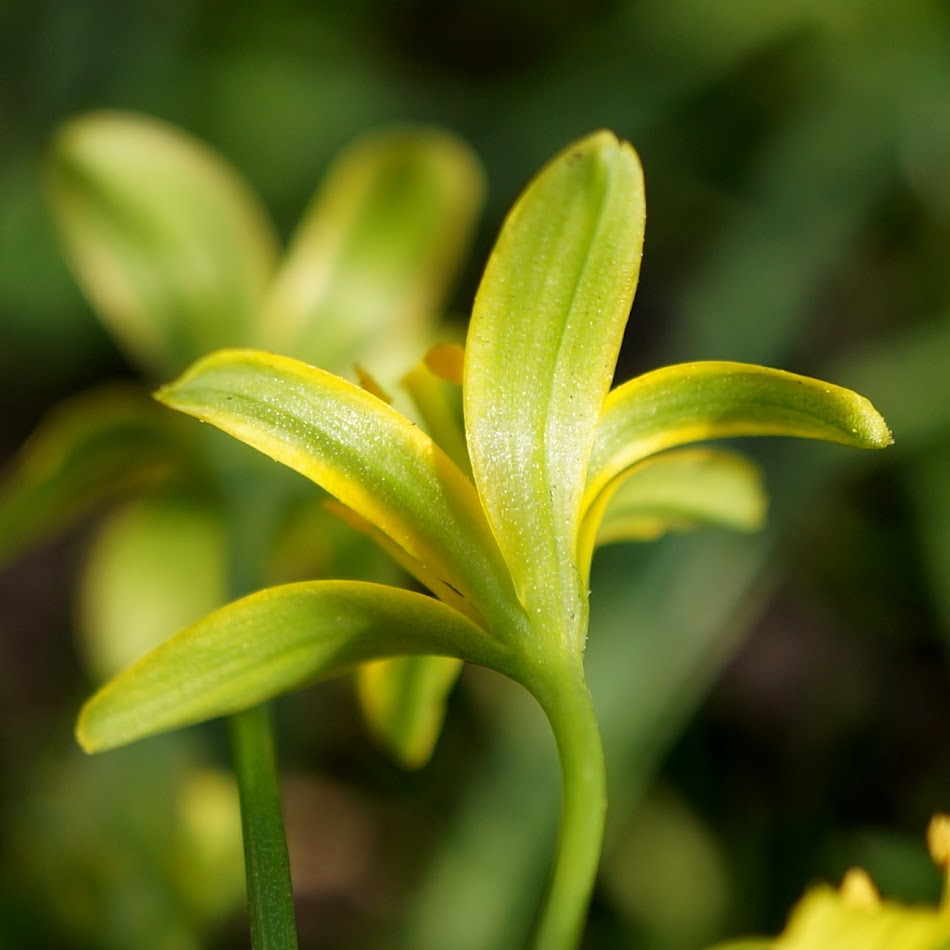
{"type": "Point", "coordinates": [796, 159]}
{"type": "Point", "coordinates": [159, 864]}
{"type": "Point", "coordinates": [176, 254]}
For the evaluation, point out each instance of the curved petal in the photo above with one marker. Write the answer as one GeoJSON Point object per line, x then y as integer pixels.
{"type": "Point", "coordinates": [404, 703]}
{"type": "Point", "coordinates": [692, 402]}
{"type": "Point", "coordinates": [364, 453]}
{"type": "Point", "coordinates": [168, 243]}
{"type": "Point", "coordinates": [676, 490]}
{"type": "Point", "coordinates": [371, 261]}
{"type": "Point", "coordinates": [545, 331]}
{"type": "Point", "coordinates": [270, 643]}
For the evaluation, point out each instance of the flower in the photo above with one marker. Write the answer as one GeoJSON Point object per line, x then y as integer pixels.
{"type": "Point", "coordinates": [557, 463]}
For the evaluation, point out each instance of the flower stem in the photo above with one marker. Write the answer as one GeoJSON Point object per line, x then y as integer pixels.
{"type": "Point", "coordinates": [270, 897]}
{"type": "Point", "coordinates": [267, 867]}
{"type": "Point", "coordinates": [566, 701]}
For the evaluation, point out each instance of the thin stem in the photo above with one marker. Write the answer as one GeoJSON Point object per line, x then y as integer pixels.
{"type": "Point", "coordinates": [267, 866]}
{"type": "Point", "coordinates": [567, 703]}
{"type": "Point", "coordinates": [270, 897]}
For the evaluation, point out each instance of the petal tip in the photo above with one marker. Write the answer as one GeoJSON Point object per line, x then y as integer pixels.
{"type": "Point", "coordinates": [871, 428]}
{"type": "Point", "coordinates": [86, 741]}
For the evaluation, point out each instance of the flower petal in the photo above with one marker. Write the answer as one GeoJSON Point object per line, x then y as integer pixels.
{"type": "Point", "coordinates": [438, 400]}
{"type": "Point", "coordinates": [445, 592]}
{"type": "Point", "coordinates": [692, 402]}
{"type": "Point", "coordinates": [369, 265]}
{"type": "Point", "coordinates": [157, 564]}
{"type": "Point", "coordinates": [364, 453]}
{"type": "Point", "coordinates": [827, 918]}
{"type": "Point", "coordinates": [404, 702]}
{"type": "Point", "coordinates": [267, 644]}
{"type": "Point", "coordinates": [168, 243]}
{"type": "Point", "coordinates": [676, 490]}
{"type": "Point", "coordinates": [546, 328]}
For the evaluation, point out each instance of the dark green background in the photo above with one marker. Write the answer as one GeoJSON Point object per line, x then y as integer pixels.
{"type": "Point", "coordinates": [788, 694]}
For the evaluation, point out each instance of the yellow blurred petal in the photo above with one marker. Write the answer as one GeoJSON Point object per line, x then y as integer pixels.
{"type": "Point", "coordinates": [169, 244]}
{"type": "Point", "coordinates": [369, 265]}
{"type": "Point", "coordinates": [447, 361]}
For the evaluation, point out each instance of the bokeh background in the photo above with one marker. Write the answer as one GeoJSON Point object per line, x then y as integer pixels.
{"type": "Point", "coordinates": [775, 708]}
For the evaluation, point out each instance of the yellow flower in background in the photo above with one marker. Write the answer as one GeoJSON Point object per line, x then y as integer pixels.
{"type": "Point", "coordinates": [854, 917]}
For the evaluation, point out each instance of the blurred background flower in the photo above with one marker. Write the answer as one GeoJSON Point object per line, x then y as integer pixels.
{"type": "Point", "coordinates": [774, 708]}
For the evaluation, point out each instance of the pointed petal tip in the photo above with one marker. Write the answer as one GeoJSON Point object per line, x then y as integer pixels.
{"type": "Point", "coordinates": [162, 393]}
{"type": "Point", "coordinates": [870, 427]}
{"type": "Point", "coordinates": [81, 732]}
{"type": "Point", "coordinates": [167, 392]}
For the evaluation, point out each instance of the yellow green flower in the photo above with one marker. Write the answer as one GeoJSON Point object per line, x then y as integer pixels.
{"type": "Point", "coordinates": [501, 534]}
{"type": "Point", "coordinates": [854, 917]}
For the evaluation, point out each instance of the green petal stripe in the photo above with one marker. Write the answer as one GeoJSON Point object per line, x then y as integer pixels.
{"type": "Point", "coordinates": [545, 331]}
{"type": "Point", "coordinates": [692, 402]}
{"type": "Point", "coordinates": [364, 453]}
{"type": "Point", "coordinates": [270, 643]}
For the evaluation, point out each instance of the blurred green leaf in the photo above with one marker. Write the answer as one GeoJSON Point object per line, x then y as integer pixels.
{"type": "Point", "coordinates": [545, 332]}
{"type": "Point", "coordinates": [270, 643]}
{"type": "Point", "coordinates": [85, 450]}
{"type": "Point", "coordinates": [371, 261]}
{"type": "Point", "coordinates": [165, 239]}
{"type": "Point", "coordinates": [404, 702]}
{"type": "Point", "coordinates": [927, 475]}
{"type": "Point", "coordinates": [110, 851]}
{"type": "Point", "coordinates": [38, 297]}
{"type": "Point", "coordinates": [907, 372]}
{"type": "Point", "coordinates": [814, 172]}
{"type": "Point", "coordinates": [648, 894]}
{"type": "Point", "coordinates": [157, 565]}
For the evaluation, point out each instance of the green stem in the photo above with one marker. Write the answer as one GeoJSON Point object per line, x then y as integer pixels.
{"type": "Point", "coordinates": [267, 867]}
{"type": "Point", "coordinates": [270, 897]}
{"type": "Point", "coordinates": [566, 701]}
